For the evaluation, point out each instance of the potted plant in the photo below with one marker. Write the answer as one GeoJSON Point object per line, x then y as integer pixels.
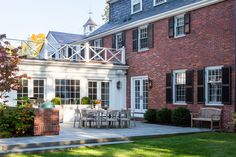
{"type": "Point", "coordinates": [85, 103]}
{"type": "Point", "coordinates": [97, 104]}
{"type": "Point", "coordinates": [57, 102]}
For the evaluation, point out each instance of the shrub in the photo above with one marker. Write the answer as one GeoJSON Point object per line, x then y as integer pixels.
{"type": "Point", "coordinates": [5, 134]}
{"type": "Point", "coordinates": [56, 101]}
{"type": "Point", "coordinates": [164, 116]}
{"type": "Point", "coordinates": [181, 117]}
{"type": "Point", "coordinates": [18, 120]}
{"type": "Point", "coordinates": [85, 101]}
{"type": "Point", "coordinates": [234, 118]}
{"type": "Point", "coordinates": [150, 115]}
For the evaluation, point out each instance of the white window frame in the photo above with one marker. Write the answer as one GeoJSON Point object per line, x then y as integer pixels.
{"type": "Point", "coordinates": [95, 42]}
{"type": "Point", "coordinates": [174, 93]}
{"type": "Point", "coordinates": [139, 38]}
{"type": "Point", "coordinates": [132, 7]}
{"type": "Point", "coordinates": [206, 87]}
{"type": "Point", "coordinates": [117, 41]}
{"type": "Point", "coordinates": [44, 86]}
{"type": "Point", "coordinates": [175, 23]}
{"type": "Point", "coordinates": [155, 3]}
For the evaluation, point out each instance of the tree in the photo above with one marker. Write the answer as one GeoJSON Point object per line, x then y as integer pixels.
{"type": "Point", "coordinates": [9, 60]}
{"type": "Point", "coordinates": [105, 16]}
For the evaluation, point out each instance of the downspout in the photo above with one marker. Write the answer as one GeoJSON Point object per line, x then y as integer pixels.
{"type": "Point", "coordinates": [235, 56]}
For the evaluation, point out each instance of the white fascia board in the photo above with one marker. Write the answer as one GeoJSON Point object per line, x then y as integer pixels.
{"type": "Point", "coordinates": [71, 64]}
{"type": "Point", "coordinates": [151, 19]}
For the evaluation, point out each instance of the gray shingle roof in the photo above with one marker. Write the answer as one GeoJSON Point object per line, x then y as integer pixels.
{"type": "Point", "coordinates": [66, 38]}
{"type": "Point", "coordinates": [90, 22]}
{"type": "Point", "coordinates": [168, 6]}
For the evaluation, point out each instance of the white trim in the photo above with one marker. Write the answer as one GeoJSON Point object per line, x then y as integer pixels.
{"type": "Point", "coordinates": [143, 49]}
{"type": "Point", "coordinates": [132, 7]}
{"type": "Point", "coordinates": [206, 86]}
{"type": "Point", "coordinates": [175, 26]}
{"type": "Point", "coordinates": [118, 34]}
{"type": "Point", "coordinates": [160, 3]}
{"type": "Point", "coordinates": [154, 18]}
{"type": "Point", "coordinates": [174, 94]}
{"type": "Point", "coordinates": [132, 87]}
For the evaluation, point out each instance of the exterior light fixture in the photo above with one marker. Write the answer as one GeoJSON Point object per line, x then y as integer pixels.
{"type": "Point", "coordinates": [150, 84]}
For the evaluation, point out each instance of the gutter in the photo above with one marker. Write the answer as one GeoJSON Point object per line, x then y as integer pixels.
{"type": "Point", "coordinates": [154, 18]}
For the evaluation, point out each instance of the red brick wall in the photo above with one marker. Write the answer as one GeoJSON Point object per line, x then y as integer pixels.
{"type": "Point", "coordinates": [46, 122]}
{"type": "Point", "coordinates": [211, 43]}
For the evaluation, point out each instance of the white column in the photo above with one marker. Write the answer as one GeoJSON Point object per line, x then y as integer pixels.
{"type": "Point", "coordinates": [87, 52]}
{"type": "Point", "coordinates": [83, 87]}
{"type": "Point", "coordinates": [123, 55]}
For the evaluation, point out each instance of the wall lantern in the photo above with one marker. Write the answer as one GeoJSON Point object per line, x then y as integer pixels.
{"type": "Point", "coordinates": [150, 83]}
{"type": "Point", "coordinates": [118, 85]}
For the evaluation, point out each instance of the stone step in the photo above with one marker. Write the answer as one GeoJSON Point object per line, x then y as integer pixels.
{"type": "Point", "coordinates": [59, 143]}
{"type": "Point", "coordinates": [54, 148]}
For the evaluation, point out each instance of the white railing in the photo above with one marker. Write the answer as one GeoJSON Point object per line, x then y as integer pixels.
{"type": "Point", "coordinates": [70, 52]}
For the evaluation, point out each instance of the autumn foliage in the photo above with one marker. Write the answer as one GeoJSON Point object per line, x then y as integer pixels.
{"type": "Point", "coordinates": [9, 60]}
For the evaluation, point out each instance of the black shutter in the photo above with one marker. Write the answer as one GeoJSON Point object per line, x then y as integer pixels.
{"type": "Point", "coordinates": [135, 39]}
{"type": "Point", "coordinates": [102, 42]}
{"type": "Point", "coordinates": [226, 85]}
{"type": "Point", "coordinates": [189, 86]}
{"type": "Point", "coordinates": [201, 87]}
{"type": "Point", "coordinates": [151, 35]}
{"type": "Point", "coordinates": [91, 43]}
{"type": "Point", "coordinates": [171, 27]}
{"type": "Point", "coordinates": [124, 38]}
{"type": "Point", "coordinates": [114, 41]}
{"type": "Point", "coordinates": [169, 92]}
{"type": "Point", "coordinates": [187, 23]}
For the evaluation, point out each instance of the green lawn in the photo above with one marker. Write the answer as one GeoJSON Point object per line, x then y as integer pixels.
{"type": "Point", "coordinates": [202, 145]}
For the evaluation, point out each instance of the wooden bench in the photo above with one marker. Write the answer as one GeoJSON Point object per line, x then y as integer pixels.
{"type": "Point", "coordinates": [208, 115]}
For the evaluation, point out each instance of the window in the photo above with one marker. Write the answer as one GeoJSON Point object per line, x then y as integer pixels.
{"type": "Point", "coordinates": [92, 90]}
{"type": "Point", "coordinates": [143, 38]}
{"type": "Point", "coordinates": [38, 89]}
{"type": "Point", "coordinates": [179, 26]}
{"type": "Point", "coordinates": [179, 88]}
{"type": "Point", "coordinates": [159, 2]}
{"type": "Point", "coordinates": [23, 91]}
{"type": "Point", "coordinates": [68, 91]}
{"type": "Point", "coordinates": [214, 85]}
{"type": "Point", "coordinates": [105, 94]}
{"type": "Point", "coordinates": [136, 6]}
{"type": "Point", "coordinates": [119, 41]}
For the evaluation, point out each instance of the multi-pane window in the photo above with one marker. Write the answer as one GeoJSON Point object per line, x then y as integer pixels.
{"type": "Point", "coordinates": [68, 91]}
{"type": "Point", "coordinates": [143, 38]}
{"type": "Point", "coordinates": [23, 91]}
{"type": "Point", "coordinates": [179, 25]}
{"type": "Point", "coordinates": [145, 94]}
{"type": "Point", "coordinates": [38, 89]}
{"type": "Point", "coordinates": [137, 94]}
{"type": "Point", "coordinates": [214, 85]}
{"type": "Point", "coordinates": [105, 93]}
{"type": "Point", "coordinates": [158, 2]}
{"type": "Point", "coordinates": [179, 86]}
{"type": "Point", "coordinates": [119, 41]}
{"type": "Point", "coordinates": [92, 90]}
{"type": "Point", "coordinates": [136, 6]}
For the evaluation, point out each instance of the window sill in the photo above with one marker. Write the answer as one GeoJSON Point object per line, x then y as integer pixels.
{"type": "Point", "coordinates": [180, 36]}
{"type": "Point", "coordinates": [214, 104]}
{"type": "Point", "coordinates": [181, 104]}
{"type": "Point", "coordinates": [159, 4]}
{"type": "Point", "coordinates": [143, 50]}
{"type": "Point", "coordinates": [136, 12]}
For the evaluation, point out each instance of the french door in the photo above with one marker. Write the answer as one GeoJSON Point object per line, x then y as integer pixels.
{"type": "Point", "coordinates": [139, 94]}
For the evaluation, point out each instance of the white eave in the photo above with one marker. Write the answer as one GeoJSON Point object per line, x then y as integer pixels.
{"type": "Point", "coordinates": [151, 19]}
{"type": "Point", "coordinates": [31, 62]}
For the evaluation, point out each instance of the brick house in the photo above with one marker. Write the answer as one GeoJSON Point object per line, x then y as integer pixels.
{"type": "Point", "coordinates": [180, 53]}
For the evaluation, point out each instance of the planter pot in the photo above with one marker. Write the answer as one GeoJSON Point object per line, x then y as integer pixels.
{"type": "Point", "coordinates": [84, 106]}
{"type": "Point", "coordinates": [98, 106]}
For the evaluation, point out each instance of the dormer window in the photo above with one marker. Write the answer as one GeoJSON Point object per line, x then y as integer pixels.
{"type": "Point", "coordinates": [136, 6]}
{"type": "Point", "coordinates": [159, 2]}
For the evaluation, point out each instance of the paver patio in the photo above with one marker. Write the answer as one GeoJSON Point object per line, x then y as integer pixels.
{"type": "Point", "coordinates": [68, 133]}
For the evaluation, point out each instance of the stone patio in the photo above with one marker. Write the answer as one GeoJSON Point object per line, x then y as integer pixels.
{"type": "Point", "coordinates": [76, 136]}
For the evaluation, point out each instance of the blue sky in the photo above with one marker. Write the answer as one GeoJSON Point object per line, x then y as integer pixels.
{"type": "Point", "coordinates": [20, 18]}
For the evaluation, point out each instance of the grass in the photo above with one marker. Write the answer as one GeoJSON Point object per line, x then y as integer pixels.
{"type": "Point", "coordinates": [200, 145]}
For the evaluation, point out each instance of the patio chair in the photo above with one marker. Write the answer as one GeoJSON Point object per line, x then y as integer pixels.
{"type": "Point", "coordinates": [77, 117]}
{"type": "Point", "coordinates": [112, 117]}
{"type": "Point", "coordinates": [88, 116]}
{"type": "Point", "coordinates": [125, 116]}
{"type": "Point", "coordinates": [132, 117]}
